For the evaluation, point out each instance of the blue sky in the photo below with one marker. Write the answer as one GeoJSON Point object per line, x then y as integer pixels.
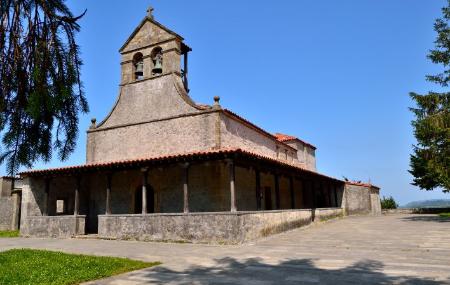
{"type": "Point", "coordinates": [334, 73]}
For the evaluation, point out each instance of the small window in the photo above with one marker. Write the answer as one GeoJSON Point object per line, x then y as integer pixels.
{"type": "Point", "coordinates": [138, 64]}
{"type": "Point", "coordinates": [60, 207]}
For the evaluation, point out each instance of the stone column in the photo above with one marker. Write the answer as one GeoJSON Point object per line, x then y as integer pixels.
{"type": "Point", "coordinates": [108, 193]}
{"type": "Point", "coordinates": [231, 169]}
{"type": "Point", "coordinates": [335, 197]}
{"type": "Point", "coordinates": [277, 191]}
{"type": "Point", "coordinates": [185, 187]}
{"type": "Point", "coordinates": [313, 194]}
{"type": "Point", "coordinates": [76, 208]}
{"type": "Point", "coordinates": [144, 190]}
{"type": "Point", "coordinates": [291, 186]}
{"type": "Point", "coordinates": [16, 195]}
{"type": "Point", "coordinates": [258, 189]}
{"type": "Point", "coordinates": [47, 197]}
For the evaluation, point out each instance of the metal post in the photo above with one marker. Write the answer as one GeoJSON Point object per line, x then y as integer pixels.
{"type": "Point", "coordinates": [108, 193]}
{"type": "Point", "coordinates": [185, 187]}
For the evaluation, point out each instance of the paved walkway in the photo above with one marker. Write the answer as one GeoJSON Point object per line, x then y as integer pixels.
{"type": "Point", "coordinates": [400, 249]}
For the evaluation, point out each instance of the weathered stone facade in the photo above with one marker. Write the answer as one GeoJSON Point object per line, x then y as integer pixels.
{"type": "Point", "coordinates": [361, 198]}
{"type": "Point", "coordinates": [221, 228]}
{"type": "Point", "coordinates": [161, 167]}
{"type": "Point", "coordinates": [10, 200]}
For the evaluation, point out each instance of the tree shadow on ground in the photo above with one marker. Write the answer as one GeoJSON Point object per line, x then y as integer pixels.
{"type": "Point", "coordinates": [298, 271]}
{"type": "Point", "coordinates": [427, 218]}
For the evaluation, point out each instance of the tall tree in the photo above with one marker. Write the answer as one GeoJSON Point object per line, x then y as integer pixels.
{"type": "Point", "coordinates": [41, 94]}
{"type": "Point", "coordinates": [430, 162]}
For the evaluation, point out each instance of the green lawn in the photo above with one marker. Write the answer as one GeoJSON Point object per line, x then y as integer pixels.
{"type": "Point", "coordinates": [38, 267]}
{"type": "Point", "coordinates": [9, 234]}
{"type": "Point", "coordinates": [444, 215]}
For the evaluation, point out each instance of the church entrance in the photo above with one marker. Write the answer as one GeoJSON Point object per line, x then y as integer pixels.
{"type": "Point", "coordinates": [138, 200]}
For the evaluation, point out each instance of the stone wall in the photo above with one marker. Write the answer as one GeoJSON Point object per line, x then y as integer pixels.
{"type": "Point", "coordinates": [361, 198]}
{"type": "Point", "coordinates": [223, 227]}
{"type": "Point", "coordinates": [10, 200]}
{"type": "Point", "coordinates": [53, 226]}
{"type": "Point", "coordinates": [6, 213]}
{"type": "Point", "coordinates": [235, 134]}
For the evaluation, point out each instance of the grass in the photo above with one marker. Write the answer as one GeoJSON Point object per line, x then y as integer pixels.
{"type": "Point", "coordinates": [39, 267]}
{"type": "Point", "coordinates": [445, 215]}
{"type": "Point", "coordinates": [9, 234]}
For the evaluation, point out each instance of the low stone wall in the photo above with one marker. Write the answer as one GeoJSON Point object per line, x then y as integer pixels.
{"type": "Point", "coordinates": [415, 211]}
{"type": "Point", "coordinates": [326, 214]}
{"type": "Point", "coordinates": [218, 227]}
{"type": "Point", "coordinates": [53, 226]}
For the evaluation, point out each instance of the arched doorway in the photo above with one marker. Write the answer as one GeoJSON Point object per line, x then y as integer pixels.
{"type": "Point", "coordinates": [138, 200]}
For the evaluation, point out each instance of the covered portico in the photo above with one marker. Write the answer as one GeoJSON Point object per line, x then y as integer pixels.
{"type": "Point", "coordinates": [218, 195]}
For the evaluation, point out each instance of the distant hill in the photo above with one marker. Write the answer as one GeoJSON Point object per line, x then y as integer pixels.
{"type": "Point", "coordinates": [436, 203]}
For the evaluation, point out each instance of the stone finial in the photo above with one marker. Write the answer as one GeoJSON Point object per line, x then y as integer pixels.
{"type": "Point", "coordinates": [150, 12]}
{"type": "Point", "coordinates": [93, 123]}
{"type": "Point", "coordinates": [216, 101]}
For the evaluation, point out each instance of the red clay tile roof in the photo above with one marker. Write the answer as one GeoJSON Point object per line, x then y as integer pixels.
{"type": "Point", "coordinates": [175, 158]}
{"type": "Point", "coordinates": [284, 138]}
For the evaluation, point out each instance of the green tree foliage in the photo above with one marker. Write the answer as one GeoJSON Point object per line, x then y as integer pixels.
{"type": "Point", "coordinates": [430, 162]}
{"type": "Point", "coordinates": [41, 94]}
{"type": "Point", "coordinates": [388, 203]}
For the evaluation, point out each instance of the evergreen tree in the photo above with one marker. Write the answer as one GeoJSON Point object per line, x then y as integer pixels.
{"type": "Point", "coordinates": [430, 162]}
{"type": "Point", "coordinates": [41, 94]}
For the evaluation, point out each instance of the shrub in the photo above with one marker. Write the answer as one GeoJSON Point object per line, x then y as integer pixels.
{"type": "Point", "coordinates": [388, 203]}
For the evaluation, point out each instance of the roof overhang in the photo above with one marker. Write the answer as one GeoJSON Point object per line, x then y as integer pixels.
{"type": "Point", "coordinates": [241, 157]}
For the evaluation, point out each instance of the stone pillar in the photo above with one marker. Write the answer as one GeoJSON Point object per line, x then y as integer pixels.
{"type": "Point", "coordinates": [231, 170]}
{"type": "Point", "coordinates": [335, 197]}
{"type": "Point", "coordinates": [291, 186]}
{"type": "Point", "coordinates": [277, 192]}
{"type": "Point", "coordinates": [258, 189]}
{"type": "Point", "coordinates": [185, 187]}
{"type": "Point", "coordinates": [108, 193]}
{"type": "Point", "coordinates": [16, 195]}
{"type": "Point", "coordinates": [313, 194]}
{"type": "Point", "coordinates": [47, 197]}
{"type": "Point", "coordinates": [76, 208]}
{"type": "Point", "coordinates": [144, 190]}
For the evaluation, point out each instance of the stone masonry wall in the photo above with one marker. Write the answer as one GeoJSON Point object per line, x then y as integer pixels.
{"type": "Point", "coordinates": [228, 228]}
{"type": "Point", "coordinates": [54, 226]}
{"type": "Point", "coordinates": [6, 213]}
{"type": "Point", "coordinates": [234, 134]}
{"type": "Point", "coordinates": [361, 199]}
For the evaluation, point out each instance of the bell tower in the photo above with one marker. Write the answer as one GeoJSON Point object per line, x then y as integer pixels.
{"type": "Point", "coordinates": [153, 51]}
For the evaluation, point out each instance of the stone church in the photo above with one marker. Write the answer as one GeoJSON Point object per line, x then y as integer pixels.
{"type": "Point", "coordinates": [162, 167]}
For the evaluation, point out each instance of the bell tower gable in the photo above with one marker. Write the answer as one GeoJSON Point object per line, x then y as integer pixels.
{"type": "Point", "coordinates": [152, 50]}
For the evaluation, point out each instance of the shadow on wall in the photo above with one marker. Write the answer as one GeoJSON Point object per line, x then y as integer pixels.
{"type": "Point", "coordinates": [427, 218]}
{"type": "Point", "coordinates": [299, 271]}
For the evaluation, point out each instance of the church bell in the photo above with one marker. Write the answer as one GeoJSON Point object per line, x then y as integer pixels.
{"type": "Point", "coordinates": [158, 67]}
{"type": "Point", "coordinates": [139, 69]}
